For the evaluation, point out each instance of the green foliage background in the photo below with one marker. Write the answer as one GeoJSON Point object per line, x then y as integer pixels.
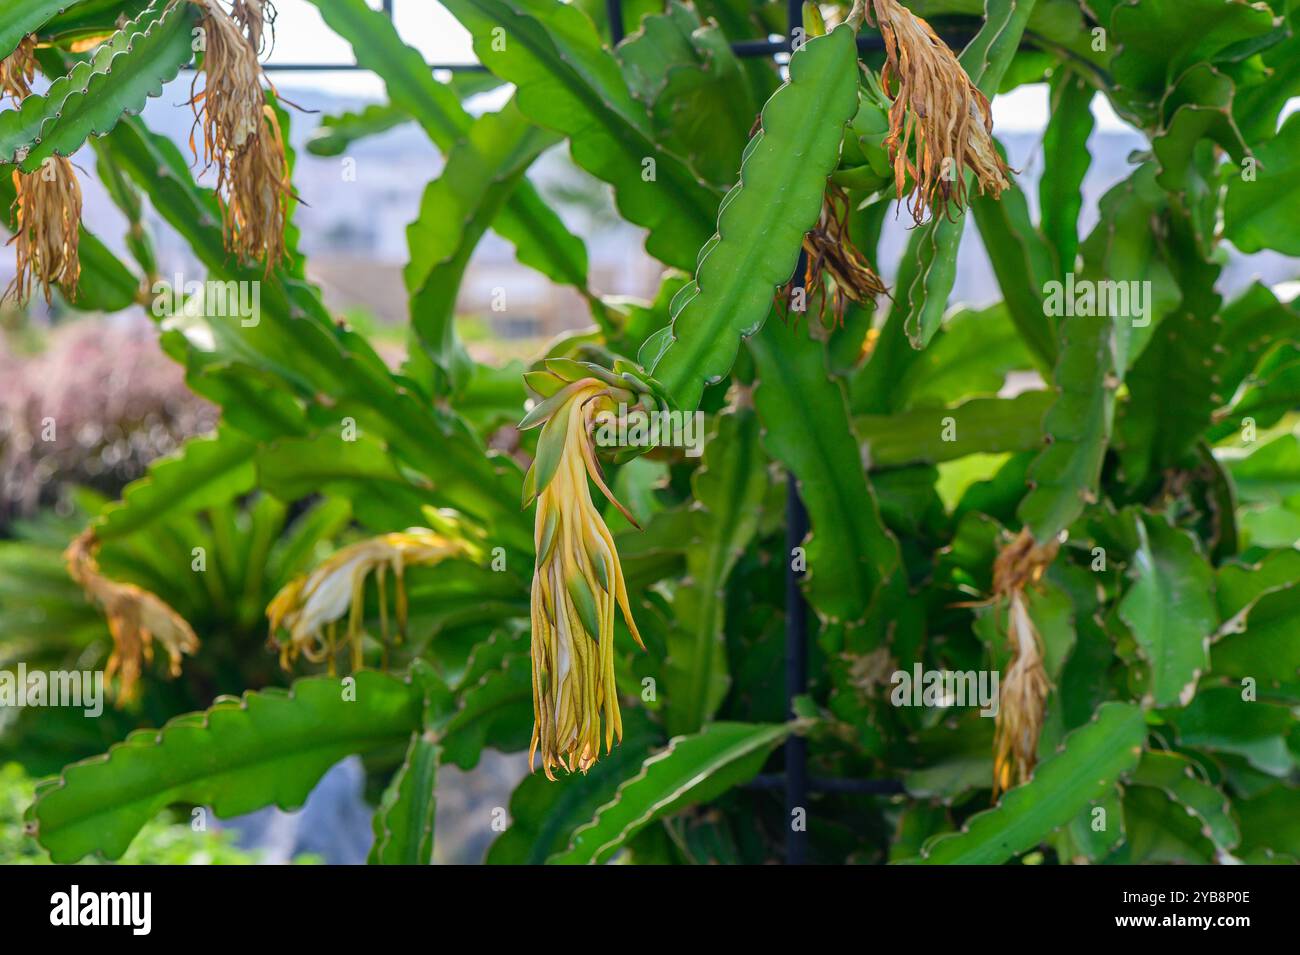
{"type": "Point", "coordinates": [1171, 450]}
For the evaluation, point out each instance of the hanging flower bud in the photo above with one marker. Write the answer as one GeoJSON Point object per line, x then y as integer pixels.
{"type": "Point", "coordinates": [310, 606]}
{"type": "Point", "coordinates": [940, 124]}
{"type": "Point", "coordinates": [831, 254]}
{"type": "Point", "coordinates": [136, 618]}
{"type": "Point", "coordinates": [1021, 564]}
{"type": "Point", "coordinates": [18, 69]}
{"type": "Point", "coordinates": [241, 134]}
{"type": "Point", "coordinates": [47, 232]}
{"type": "Point", "coordinates": [577, 577]}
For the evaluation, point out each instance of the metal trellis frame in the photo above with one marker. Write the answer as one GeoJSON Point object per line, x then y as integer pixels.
{"type": "Point", "coordinates": [745, 49]}
{"type": "Point", "coordinates": [795, 782]}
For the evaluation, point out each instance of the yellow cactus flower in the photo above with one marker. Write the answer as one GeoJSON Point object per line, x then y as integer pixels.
{"type": "Point", "coordinates": [136, 618]}
{"type": "Point", "coordinates": [310, 606]}
{"type": "Point", "coordinates": [577, 580]}
{"type": "Point", "coordinates": [936, 104]}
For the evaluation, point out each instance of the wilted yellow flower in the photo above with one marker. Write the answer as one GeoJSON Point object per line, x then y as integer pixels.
{"type": "Point", "coordinates": [241, 134]}
{"type": "Point", "coordinates": [18, 69]}
{"type": "Point", "coordinates": [1024, 690]}
{"type": "Point", "coordinates": [936, 104]}
{"type": "Point", "coordinates": [577, 579]}
{"type": "Point", "coordinates": [310, 606]}
{"type": "Point", "coordinates": [136, 618]}
{"type": "Point", "coordinates": [48, 229]}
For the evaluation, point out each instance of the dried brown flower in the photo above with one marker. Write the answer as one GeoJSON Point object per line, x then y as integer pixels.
{"type": "Point", "coordinates": [47, 202]}
{"type": "Point", "coordinates": [136, 618]}
{"type": "Point", "coordinates": [241, 134]}
{"type": "Point", "coordinates": [1020, 565]}
{"type": "Point", "coordinates": [936, 104]}
{"type": "Point", "coordinates": [18, 69]}
{"type": "Point", "coordinates": [253, 17]}
{"type": "Point", "coordinates": [47, 210]}
{"type": "Point", "coordinates": [830, 253]}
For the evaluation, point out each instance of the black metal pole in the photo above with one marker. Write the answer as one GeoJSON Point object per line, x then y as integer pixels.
{"type": "Point", "coordinates": [830, 785]}
{"type": "Point", "coordinates": [755, 48]}
{"type": "Point", "coordinates": [796, 681]}
{"type": "Point", "coordinates": [796, 613]}
{"type": "Point", "coordinates": [614, 9]}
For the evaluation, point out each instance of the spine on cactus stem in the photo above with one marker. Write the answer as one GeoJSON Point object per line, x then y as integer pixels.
{"type": "Point", "coordinates": [577, 579]}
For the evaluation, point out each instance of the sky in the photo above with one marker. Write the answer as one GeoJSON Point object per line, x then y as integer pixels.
{"type": "Point", "coordinates": [302, 37]}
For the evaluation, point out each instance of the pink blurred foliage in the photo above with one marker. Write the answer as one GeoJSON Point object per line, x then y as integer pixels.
{"type": "Point", "coordinates": [92, 409]}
